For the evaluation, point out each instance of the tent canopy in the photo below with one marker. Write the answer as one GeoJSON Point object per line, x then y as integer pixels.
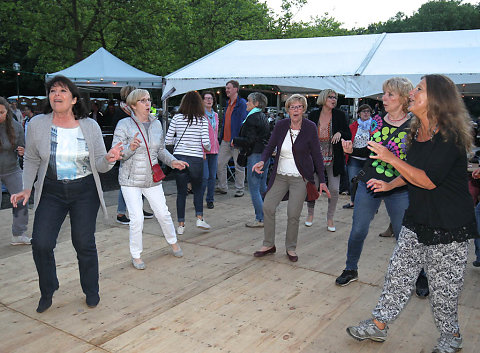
{"type": "Point", "coordinates": [355, 66]}
{"type": "Point", "coordinates": [102, 69]}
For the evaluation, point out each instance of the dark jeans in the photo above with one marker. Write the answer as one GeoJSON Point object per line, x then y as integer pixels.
{"type": "Point", "coordinates": [194, 175]}
{"type": "Point", "coordinates": [477, 240]}
{"type": "Point", "coordinates": [209, 174]}
{"type": "Point", "coordinates": [353, 167]}
{"type": "Point", "coordinates": [80, 199]}
{"type": "Point", "coordinates": [366, 206]}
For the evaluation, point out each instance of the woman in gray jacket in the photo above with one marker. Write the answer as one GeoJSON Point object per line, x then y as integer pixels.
{"type": "Point", "coordinates": [136, 133]}
{"type": "Point", "coordinates": [12, 145]}
{"type": "Point", "coordinates": [65, 152]}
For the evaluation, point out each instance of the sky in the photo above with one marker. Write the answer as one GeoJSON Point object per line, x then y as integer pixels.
{"type": "Point", "coordinates": [355, 13]}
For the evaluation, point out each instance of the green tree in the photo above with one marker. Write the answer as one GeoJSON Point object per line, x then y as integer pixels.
{"type": "Point", "coordinates": [441, 15]}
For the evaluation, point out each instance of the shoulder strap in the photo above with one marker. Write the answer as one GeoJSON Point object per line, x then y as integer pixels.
{"type": "Point", "coordinates": [146, 145]}
{"type": "Point", "coordinates": [397, 131]}
{"type": "Point", "coordinates": [175, 146]}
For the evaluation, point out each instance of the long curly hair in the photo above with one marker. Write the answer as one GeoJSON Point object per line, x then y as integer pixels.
{"type": "Point", "coordinates": [8, 122]}
{"type": "Point", "coordinates": [447, 111]}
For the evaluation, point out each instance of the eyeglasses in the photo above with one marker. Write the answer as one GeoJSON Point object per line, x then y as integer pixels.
{"type": "Point", "coordinates": [208, 98]}
{"type": "Point", "coordinates": [144, 100]}
{"type": "Point", "coordinates": [332, 97]}
{"type": "Point", "coordinates": [296, 107]}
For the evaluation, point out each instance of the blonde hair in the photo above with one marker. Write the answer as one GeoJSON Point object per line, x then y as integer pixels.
{"type": "Point", "coordinates": [323, 96]}
{"type": "Point", "coordinates": [137, 94]}
{"type": "Point", "coordinates": [400, 85]}
{"type": "Point", "coordinates": [296, 98]}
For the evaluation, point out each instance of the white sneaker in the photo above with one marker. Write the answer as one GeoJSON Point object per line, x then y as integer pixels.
{"type": "Point", "coordinates": [180, 230]}
{"type": "Point", "coordinates": [202, 224]}
{"type": "Point", "coordinates": [21, 240]}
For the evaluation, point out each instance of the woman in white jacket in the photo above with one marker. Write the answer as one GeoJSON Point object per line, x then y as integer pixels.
{"type": "Point", "coordinates": [135, 174]}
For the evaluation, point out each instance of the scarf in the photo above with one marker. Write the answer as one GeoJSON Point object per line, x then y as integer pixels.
{"type": "Point", "coordinates": [211, 118]}
{"type": "Point", "coordinates": [254, 110]}
{"type": "Point", "coordinates": [365, 125]}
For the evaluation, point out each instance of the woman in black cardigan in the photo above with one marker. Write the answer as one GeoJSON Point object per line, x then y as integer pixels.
{"type": "Point", "coordinates": [332, 127]}
{"type": "Point", "coordinates": [251, 140]}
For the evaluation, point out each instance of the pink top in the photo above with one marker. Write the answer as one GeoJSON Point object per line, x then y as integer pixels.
{"type": "Point", "coordinates": [213, 135]}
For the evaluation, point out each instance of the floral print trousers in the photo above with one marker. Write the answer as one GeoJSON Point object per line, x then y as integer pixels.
{"type": "Point", "coordinates": [444, 265]}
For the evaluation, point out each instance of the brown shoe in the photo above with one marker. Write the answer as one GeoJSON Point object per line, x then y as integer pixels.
{"type": "Point", "coordinates": [293, 258]}
{"type": "Point", "coordinates": [388, 233]}
{"type": "Point", "coordinates": [259, 253]}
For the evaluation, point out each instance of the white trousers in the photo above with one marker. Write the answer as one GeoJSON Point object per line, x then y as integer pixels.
{"type": "Point", "coordinates": [156, 198]}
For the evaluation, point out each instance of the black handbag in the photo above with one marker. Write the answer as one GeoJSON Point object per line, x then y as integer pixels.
{"type": "Point", "coordinates": [242, 159]}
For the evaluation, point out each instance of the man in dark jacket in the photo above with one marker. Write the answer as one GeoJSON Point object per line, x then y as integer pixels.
{"type": "Point", "coordinates": [234, 116]}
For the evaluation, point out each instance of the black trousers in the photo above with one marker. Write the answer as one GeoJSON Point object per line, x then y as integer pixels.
{"type": "Point", "coordinates": [79, 198]}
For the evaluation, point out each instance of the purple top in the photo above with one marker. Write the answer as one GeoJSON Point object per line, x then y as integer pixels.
{"type": "Point", "coordinates": [306, 150]}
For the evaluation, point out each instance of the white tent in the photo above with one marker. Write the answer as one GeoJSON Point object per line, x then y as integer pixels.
{"type": "Point", "coordinates": [102, 69]}
{"type": "Point", "coordinates": [354, 66]}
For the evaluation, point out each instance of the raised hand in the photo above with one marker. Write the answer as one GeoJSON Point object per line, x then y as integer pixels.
{"type": "Point", "coordinates": [115, 153]}
{"type": "Point", "coordinates": [135, 143]}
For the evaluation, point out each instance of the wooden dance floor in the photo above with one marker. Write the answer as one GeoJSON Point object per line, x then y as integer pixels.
{"type": "Point", "coordinates": [218, 297]}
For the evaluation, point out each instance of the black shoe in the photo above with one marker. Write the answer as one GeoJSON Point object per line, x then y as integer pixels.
{"type": "Point", "coordinates": [421, 286]}
{"type": "Point", "coordinates": [347, 206]}
{"type": "Point", "coordinates": [210, 205]}
{"type": "Point", "coordinates": [44, 304]}
{"type": "Point", "coordinates": [92, 300]}
{"type": "Point", "coordinates": [476, 263]}
{"type": "Point", "coordinates": [346, 277]}
{"type": "Point", "coordinates": [123, 220]}
{"type": "Point", "coordinates": [147, 215]}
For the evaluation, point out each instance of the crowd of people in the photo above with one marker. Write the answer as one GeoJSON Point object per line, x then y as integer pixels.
{"type": "Point", "coordinates": [413, 157]}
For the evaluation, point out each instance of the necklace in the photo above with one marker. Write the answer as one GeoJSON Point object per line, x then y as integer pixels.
{"type": "Point", "coordinates": [395, 120]}
{"type": "Point", "coordinates": [431, 137]}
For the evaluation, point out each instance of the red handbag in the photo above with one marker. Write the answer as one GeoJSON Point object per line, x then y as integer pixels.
{"type": "Point", "coordinates": [312, 191]}
{"type": "Point", "coordinates": [157, 172]}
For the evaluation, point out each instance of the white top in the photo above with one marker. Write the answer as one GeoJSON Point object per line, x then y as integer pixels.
{"type": "Point", "coordinates": [194, 140]}
{"type": "Point", "coordinates": [69, 158]}
{"type": "Point", "coordinates": [360, 141]}
{"type": "Point", "coordinates": [286, 162]}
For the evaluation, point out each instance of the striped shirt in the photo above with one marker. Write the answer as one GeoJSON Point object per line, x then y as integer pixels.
{"type": "Point", "coordinates": [194, 140]}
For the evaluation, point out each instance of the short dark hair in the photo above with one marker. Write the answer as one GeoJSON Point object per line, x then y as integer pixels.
{"type": "Point", "coordinates": [363, 107]}
{"type": "Point", "coordinates": [233, 83]}
{"type": "Point", "coordinates": [212, 94]}
{"type": "Point", "coordinates": [192, 107]}
{"type": "Point", "coordinates": [79, 109]}
{"type": "Point", "coordinates": [27, 107]}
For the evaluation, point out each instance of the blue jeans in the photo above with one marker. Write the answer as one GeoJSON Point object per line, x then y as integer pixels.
{"type": "Point", "coordinates": [477, 240]}
{"type": "Point", "coordinates": [122, 207]}
{"type": "Point", "coordinates": [80, 200]}
{"type": "Point", "coordinates": [194, 175]}
{"type": "Point", "coordinates": [257, 184]}
{"type": "Point", "coordinates": [353, 167]}
{"type": "Point", "coordinates": [209, 175]}
{"type": "Point", "coordinates": [366, 205]}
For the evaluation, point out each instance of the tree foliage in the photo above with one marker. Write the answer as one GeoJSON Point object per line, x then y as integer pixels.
{"type": "Point", "coordinates": [442, 15]}
{"type": "Point", "coordinates": [160, 36]}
